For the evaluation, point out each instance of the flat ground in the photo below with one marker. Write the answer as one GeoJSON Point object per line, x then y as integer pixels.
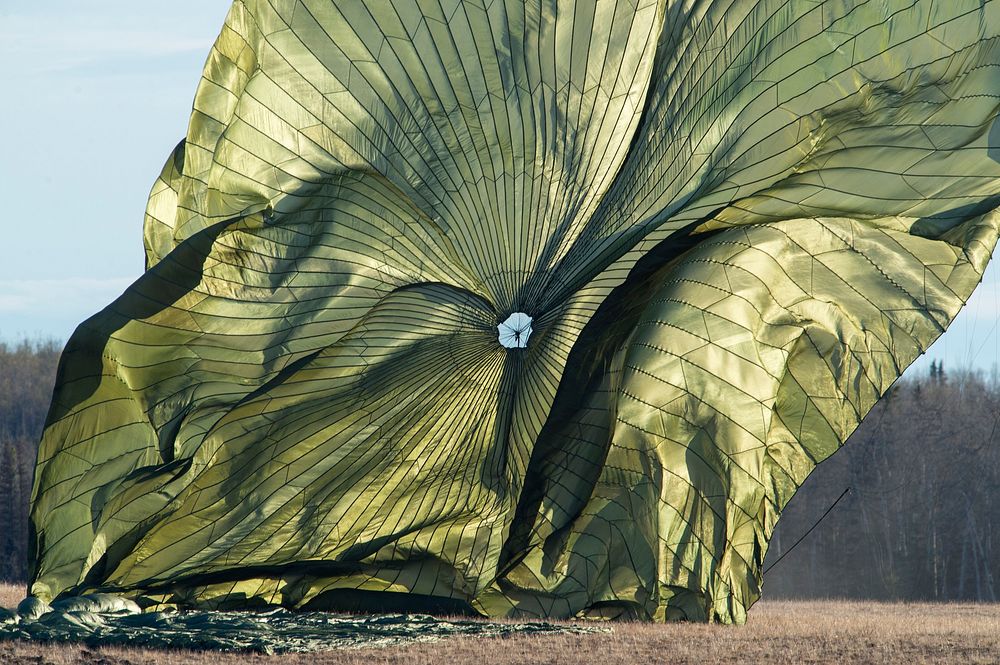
{"type": "Point", "coordinates": [777, 632]}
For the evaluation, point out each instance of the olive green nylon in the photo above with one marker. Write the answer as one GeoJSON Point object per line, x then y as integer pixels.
{"type": "Point", "coordinates": [102, 620]}
{"type": "Point", "coordinates": [733, 225]}
{"type": "Point", "coordinates": [273, 632]}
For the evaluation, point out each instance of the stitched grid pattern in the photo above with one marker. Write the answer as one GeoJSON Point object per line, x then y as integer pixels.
{"type": "Point", "coordinates": [732, 223]}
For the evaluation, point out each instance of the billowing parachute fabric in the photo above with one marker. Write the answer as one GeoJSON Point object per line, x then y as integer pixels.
{"type": "Point", "coordinates": [524, 309]}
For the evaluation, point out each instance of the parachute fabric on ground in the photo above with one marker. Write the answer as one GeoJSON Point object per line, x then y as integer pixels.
{"type": "Point", "coordinates": [102, 620]}
{"type": "Point", "coordinates": [731, 225]}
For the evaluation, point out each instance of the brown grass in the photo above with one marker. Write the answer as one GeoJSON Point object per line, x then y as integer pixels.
{"type": "Point", "coordinates": [777, 632]}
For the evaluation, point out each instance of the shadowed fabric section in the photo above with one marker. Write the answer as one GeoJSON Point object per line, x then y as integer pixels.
{"type": "Point", "coordinates": [103, 620]}
{"type": "Point", "coordinates": [521, 309]}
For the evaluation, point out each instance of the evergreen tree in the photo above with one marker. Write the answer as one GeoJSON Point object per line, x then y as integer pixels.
{"type": "Point", "coordinates": [12, 515]}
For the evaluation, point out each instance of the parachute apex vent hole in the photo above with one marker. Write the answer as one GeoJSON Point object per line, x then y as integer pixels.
{"type": "Point", "coordinates": [515, 331]}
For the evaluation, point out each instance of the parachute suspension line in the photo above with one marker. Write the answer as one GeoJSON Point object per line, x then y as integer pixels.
{"type": "Point", "coordinates": [803, 536]}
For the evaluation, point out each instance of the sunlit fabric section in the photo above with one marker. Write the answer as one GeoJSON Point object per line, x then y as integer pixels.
{"type": "Point", "coordinates": [531, 308]}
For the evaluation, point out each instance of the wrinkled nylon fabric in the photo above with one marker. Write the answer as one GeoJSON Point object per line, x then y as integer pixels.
{"type": "Point", "coordinates": [732, 225]}
{"type": "Point", "coordinates": [102, 620]}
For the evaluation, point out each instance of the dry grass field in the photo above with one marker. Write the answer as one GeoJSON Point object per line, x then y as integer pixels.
{"type": "Point", "coordinates": [777, 632]}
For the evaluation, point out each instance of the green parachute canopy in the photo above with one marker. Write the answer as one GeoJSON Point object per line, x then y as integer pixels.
{"type": "Point", "coordinates": [525, 309]}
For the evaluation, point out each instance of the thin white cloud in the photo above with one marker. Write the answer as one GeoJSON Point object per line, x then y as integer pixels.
{"type": "Point", "coordinates": [36, 296]}
{"type": "Point", "coordinates": [62, 42]}
{"type": "Point", "coordinates": [52, 308]}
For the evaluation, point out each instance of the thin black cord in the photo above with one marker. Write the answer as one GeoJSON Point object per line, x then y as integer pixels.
{"type": "Point", "coordinates": [796, 543]}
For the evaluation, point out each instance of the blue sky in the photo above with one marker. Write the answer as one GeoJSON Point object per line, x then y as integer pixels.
{"type": "Point", "coordinates": [95, 96]}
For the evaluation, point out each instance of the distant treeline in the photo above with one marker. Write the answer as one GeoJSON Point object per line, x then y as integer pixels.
{"type": "Point", "coordinates": [922, 520]}
{"type": "Point", "coordinates": [27, 372]}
